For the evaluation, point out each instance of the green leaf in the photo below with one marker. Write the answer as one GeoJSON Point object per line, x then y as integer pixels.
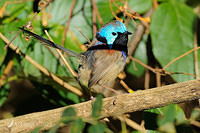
{"type": "Point", "coordinates": [195, 114]}
{"type": "Point", "coordinates": [36, 130]}
{"type": "Point", "coordinates": [98, 128]}
{"type": "Point", "coordinates": [96, 111]}
{"type": "Point", "coordinates": [68, 112]}
{"type": "Point", "coordinates": [166, 116]}
{"type": "Point", "coordinates": [54, 129]}
{"type": "Point", "coordinates": [59, 12]}
{"type": "Point", "coordinates": [156, 110]}
{"type": "Point", "coordinates": [182, 1]}
{"type": "Point", "coordinates": [172, 35]}
{"type": "Point", "coordinates": [104, 9]}
{"type": "Point", "coordinates": [4, 91]}
{"type": "Point", "coordinates": [16, 10]}
{"type": "Point", "coordinates": [163, 0]}
{"type": "Point", "coordinates": [166, 121]}
{"type": "Point", "coordinates": [180, 116]}
{"type": "Point", "coordinates": [152, 131]}
{"type": "Point", "coordinates": [169, 115]}
{"type": "Point", "coordinates": [162, 111]}
{"type": "Point", "coordinates": [70, 43]}
{"type": "Point", "coordinates": [72, 97]}
{"type": "Point", "coordinates": [68, 115]}
{"type": "Point", "coordinates": [148, 131]}
{"type": "Point", "coordinates": [8, 28]}
{"type": "Point", "coordinates": [77, 126]}
{"type": "Point", "coordinates": [2, 3]}
{"type": "Point", "coordinates": [82, 13]}
{"type": "Point", "coordinates": [140, 6]}
{"type": "Point", "coordinates": [2, 52]}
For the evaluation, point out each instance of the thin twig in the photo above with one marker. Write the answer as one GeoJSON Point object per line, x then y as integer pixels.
{"type": "Point", "coordinates": [146, 79]}
{"type": "Point", "coordinates": [125, 10]}
{"type": "Point", "coordinates": [62, 57]}
{"type": "Point", "coordinates": [113, 13]}
{"type": "Point", "coordinates": [141, 63]}
{"type": "Point", "coordinates": [83, 35]}
{"type": "Point", "coordinates": [97, 13]}
{"type": "Point", "coordinates": [68, 22]}
{"type": "Point", "coordinates": [41, 68]}
{"type": "Point", "coordinates": [168, 73]}
{"type": "Point", "coordinates": [82, 47]}
{"type": "Point", "coordinates": [53, 52]}
{"type": "Point", "coordinates": [74, 37]}
{"type": "Point", "coordinates": [28, 23]}
{"type": "Point", "coordinates": [10, 2]}
{"type": "Point", "coordinates": [44, 18]}
{"type": "Point", "coordinates": [132, 124]}
{"type": "Point", "coordinates": [6, 71]}
{"type": "Point", "coordinates": [12, 39]}
{"type": "Point", "coordinates": [160, 71]}
{"type": "Point", "coordinates": [195, 123]}
{"type": "Point", "coordinates": [196, 64]}
{"type": "Point", "coordinates": [94, 20]}
{"type": "Point", "coordinates": [109, 88]}
{"type": "Point", "coordinates": [180, 57]}
{"type": "Point", "coordinates": [158, 78]}
{"type": "Point", "coordinates": [155, 4]}
{"type": "Point", "coordinates": [126, 86]}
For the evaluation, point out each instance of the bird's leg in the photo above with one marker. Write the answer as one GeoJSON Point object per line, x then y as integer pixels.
{"type": "Point", "coordinates": [91, 97]}
{"type": "Point", "coordinates": [115, 98]}
{"type": "Point", "coordinates": [109, 88]}
{"type": "Point", "coordinates": [113, 90]}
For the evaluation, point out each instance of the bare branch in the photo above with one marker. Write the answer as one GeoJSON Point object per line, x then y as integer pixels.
{"type": "Point", "coordinates": [125, 103]}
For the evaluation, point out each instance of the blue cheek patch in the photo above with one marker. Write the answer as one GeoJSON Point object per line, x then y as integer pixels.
{"type": "Point", "coordinates": [99, 43]}
{"type": "Point", "coordinates": [125, 56]}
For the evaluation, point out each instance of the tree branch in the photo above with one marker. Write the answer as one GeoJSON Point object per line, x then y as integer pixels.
{"type": "Point", "coordinates": [125, 103]}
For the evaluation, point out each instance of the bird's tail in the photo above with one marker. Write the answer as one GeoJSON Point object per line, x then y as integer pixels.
{"type": "Point", "coordinates": [50, 43]}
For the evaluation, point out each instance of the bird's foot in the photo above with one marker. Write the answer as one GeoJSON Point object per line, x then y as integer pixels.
{"type": "Point", "coordinates": [115, 98]}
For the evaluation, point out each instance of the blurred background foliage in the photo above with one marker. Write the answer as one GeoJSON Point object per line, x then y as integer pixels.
{"type": "Point", "coordinates": [173, 29]}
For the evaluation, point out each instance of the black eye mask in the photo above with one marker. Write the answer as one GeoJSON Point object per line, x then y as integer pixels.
{"type": "Point", "coordinates": [100, 38]}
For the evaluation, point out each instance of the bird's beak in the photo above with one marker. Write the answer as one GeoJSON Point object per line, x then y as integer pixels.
{"type": "Point", "coordinates": [129, 33]}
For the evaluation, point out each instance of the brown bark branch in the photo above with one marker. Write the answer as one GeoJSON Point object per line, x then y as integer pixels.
{"type": "Point", "coordinates": [68, 22]}
{"type": "Point", "coordinates": [125, 103]}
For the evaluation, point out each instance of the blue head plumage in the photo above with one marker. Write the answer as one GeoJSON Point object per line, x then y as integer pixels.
{"type": "Point", "coordinates": [111, 31]}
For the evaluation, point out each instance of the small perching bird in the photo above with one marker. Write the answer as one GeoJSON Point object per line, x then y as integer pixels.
{"type": "Point", "coordinates": [104, 60]}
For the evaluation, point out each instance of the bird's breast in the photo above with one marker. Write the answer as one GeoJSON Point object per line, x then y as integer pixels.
{"type": "Point", "coordinates": [102, 68]}
{"type": "Point", "coordinates": [110, 51]}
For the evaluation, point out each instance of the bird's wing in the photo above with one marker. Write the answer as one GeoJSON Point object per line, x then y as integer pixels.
{"type": "Point", "coordinates": [104, 62]}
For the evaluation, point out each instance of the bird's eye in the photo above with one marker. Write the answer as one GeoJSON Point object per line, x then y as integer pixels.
{"type": "Point", "coordinates": [113, 33]}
